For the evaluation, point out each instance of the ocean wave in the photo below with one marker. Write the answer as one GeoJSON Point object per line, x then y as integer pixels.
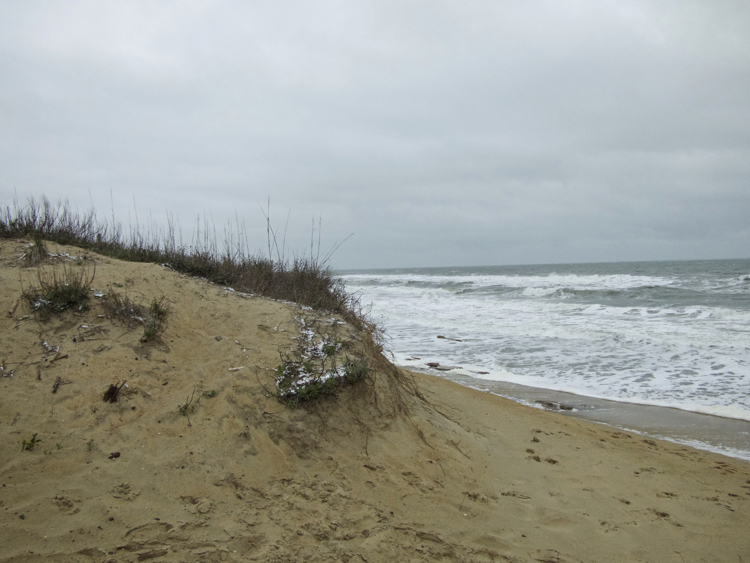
{"type": "Point", "coordinates": [478, 281]}
{"type": "Point", "coordinates": [570, 287]}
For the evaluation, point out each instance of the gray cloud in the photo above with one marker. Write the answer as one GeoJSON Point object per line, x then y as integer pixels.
{"type": "Point", "coordinates": [440, 133]}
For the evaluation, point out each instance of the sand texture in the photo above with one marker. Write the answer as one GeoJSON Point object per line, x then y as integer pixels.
{"type": "Point", "coordinates": [377, 473]}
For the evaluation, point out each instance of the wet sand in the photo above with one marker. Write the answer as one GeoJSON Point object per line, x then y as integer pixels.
{"type": "Point", "coordinates": [728, 436]}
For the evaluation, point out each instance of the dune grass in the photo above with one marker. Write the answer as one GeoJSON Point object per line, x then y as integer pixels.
{"type": "Point", "coordinates": [307, 280]}
{"type": "Point", "coordinates": [153, 318]}
{"type": "Point", "coordinates": [58, 290]}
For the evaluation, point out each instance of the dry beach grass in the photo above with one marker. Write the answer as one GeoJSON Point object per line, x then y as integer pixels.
{"type": "Point", "coordinates": [196, 460]}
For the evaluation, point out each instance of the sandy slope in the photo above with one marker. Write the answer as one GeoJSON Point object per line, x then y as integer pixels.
{"type": "Point", "coordinates": [375, 474]}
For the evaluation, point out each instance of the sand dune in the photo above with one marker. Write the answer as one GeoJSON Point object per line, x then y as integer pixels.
{"type": "Point", "coordinates": [403, 467]}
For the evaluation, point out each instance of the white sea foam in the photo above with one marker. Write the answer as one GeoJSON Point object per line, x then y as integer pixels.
{"type": "Point", "coordinates": [553, 280]}
{"type": "Point", "coordinates": [670, 338]}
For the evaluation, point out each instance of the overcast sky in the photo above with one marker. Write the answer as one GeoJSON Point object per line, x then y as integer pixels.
{"type": "Point", "coordinates": [439, 133]}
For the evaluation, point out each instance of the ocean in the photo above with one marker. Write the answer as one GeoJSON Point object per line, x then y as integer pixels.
{"type": "Point", "coordinates": [620, 343]}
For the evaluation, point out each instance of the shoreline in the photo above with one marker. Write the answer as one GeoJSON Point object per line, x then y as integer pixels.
{"type": "Point", "coordinates": [704, 431]}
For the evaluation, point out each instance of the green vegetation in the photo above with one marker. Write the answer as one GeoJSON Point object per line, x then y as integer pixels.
{"type": "Point", "coordinates": [296, 383]}
{"type": "Point", "coordinates": [314, 369]}
{"type": "Point", "coordinates": [355, 370]}
{"type": "Point", "coordinates": [29, 446]}
{"type": "Point", "coordinates": [121, 308]}
{"type": "Point", "coordinates": [60, 289]}
{"type": "Point", "coordinates": [156, 320]}
{"type": "Point", "coordinates": [153, 319]}
{"type": "Point", "coordinates": [38, 250]}
{"type": "Point", "coordinates": [307, 280]}
{"type": "Point", "coordinates": [330, 347]}
{"type": "Point", "coordinates": [188, 408]}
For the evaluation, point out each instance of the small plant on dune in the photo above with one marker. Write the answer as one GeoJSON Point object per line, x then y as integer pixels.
{"type": "Point", "coordinates": [153, 319]}
{"type": "Point", "coordinates": [329, 347]}
{"type": "Point", "coordinates": [29, 446]}
{"type": "Point", "coordinates": [315, 370]}
{"type": "Point", "coordinates": [121, 308]}
{"type": "Point", "coordinates": [189, 408]}
{"type": "Point", "coordinates": [156, 321]}
{"type": "Point", "coordinates": [37, 252]}
{"type": "Point", "coordinates": [60, 289]}
{"type": "Point", "coordinates": [355, 370]}
{"type": "Point", "coordinates": [296, 384]}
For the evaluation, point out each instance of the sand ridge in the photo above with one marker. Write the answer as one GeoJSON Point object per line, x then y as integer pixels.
{"type": "Point", "coordinates": [375, 474]}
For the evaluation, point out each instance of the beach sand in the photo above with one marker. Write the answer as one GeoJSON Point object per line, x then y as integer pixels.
{"type": "Point", "coordinates": [379, 473]}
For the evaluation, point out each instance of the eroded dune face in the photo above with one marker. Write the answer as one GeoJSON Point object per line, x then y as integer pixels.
{"type": "Point", "coordinates": [196, 460]}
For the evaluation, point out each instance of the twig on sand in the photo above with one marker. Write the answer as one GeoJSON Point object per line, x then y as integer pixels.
{"type": "Point", "coordinates": [186, 408]}
{"type": "Point", "coordinates": [110, 395]}
{"type": "Point", "coordinates": [268, 393]}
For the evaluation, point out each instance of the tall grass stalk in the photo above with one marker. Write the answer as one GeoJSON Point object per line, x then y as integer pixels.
{"type": "Point", "coordinates": [306, 280]}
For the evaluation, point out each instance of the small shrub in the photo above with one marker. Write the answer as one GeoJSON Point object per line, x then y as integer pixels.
{"type": "Point", "coordinates": [159, 310]}
{"type": "Point", "coordinates": [314, 369]}
{"type": "Point", "coordinates": [355, 370]}
{"type": "Point", "coordinates": [37, 252]}
{"type": "Point", "coordinates": [296, 385]}
{"type": "Point", "coordinates": [330, 347]}
{"type": "Point", "coordinates": [188, 408]}
{"type": "Point", "coordinates": [153, 319]}
{"type": "Point", "coordinates": [155, 323]}
{"type": "Point", "coordinates": [60, 289]}
{"type": "Point", "coordinates": [121, 308]}
{"type": "Point", "coordinates": [29, 446]}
